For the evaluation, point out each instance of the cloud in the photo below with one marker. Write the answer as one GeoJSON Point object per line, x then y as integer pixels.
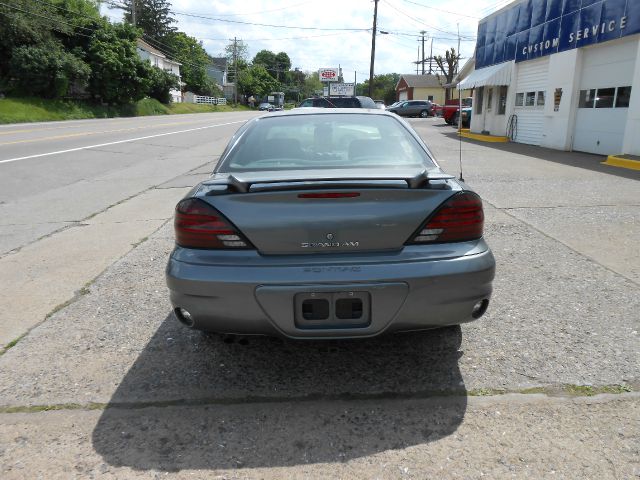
{"type": "Point", "coordinates": [319, 44]}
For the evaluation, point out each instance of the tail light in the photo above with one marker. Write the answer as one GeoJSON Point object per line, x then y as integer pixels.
{"type": "Point", "coordinates": [198, 225]}
{"type": "Point", "coordinates": [459, 219]}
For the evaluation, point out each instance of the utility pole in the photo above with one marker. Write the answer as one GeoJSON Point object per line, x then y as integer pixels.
{"type": "Point", "coordinates": [133, 12]}
{"type": "Point", "coordinates": [235, 67]}
{"type": "Point", "coordinates": [431, 58]}
{"type": "Point", "coordinates": [422, 33]}
{"type": "Point", "coordinates": [373, 46]}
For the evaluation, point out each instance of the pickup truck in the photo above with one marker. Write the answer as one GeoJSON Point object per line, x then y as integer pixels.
{"type": "Point", "coordinates": [451, 107]}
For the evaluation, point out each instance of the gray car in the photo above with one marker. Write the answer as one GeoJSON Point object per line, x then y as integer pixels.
{"type": "Point", "coordinates": [413, 108]}
{"type": "Point", "coordinates": [328, 223]}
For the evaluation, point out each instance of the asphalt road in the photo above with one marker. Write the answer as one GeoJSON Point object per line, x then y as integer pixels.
{"type": "Point", "coordinates": [110, 385]}
{"type": "Point", "coordinates": [57, 173]}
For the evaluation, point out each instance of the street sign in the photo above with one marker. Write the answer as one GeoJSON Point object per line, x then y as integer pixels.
{"type": "Point", "coordinates": [342, 89]}
{"type": "Point", "coordinates": [328, 74]}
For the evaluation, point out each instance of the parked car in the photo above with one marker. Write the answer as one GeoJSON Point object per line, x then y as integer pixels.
{"type": "Point", "coordinates": [452, 106]}
{"type": "Point", "coordinates": [328, 223]}
{"type": "Point", "coordinates": [380, 104]}
{"type": "Point", "coordinates": [412, 108]}
{"type": "Point", "coordinates": [436, 109]}
{"type": "Point", "coordinates": [266, 106]}
{"type": "Point", "coordinates": [339, 102]}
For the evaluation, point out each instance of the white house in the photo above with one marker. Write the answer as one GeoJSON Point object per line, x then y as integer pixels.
{"type": "Point", "coordinates": [160, 60]}
{"type": "Point", "coordinates": [560, 74]}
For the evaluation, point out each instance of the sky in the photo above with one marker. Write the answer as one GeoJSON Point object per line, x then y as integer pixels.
{"type": "Point", "coordinates": [335, 33]}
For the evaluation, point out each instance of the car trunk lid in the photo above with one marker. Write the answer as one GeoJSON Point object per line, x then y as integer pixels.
{"type": "Point", "coordinates": [328, 212]}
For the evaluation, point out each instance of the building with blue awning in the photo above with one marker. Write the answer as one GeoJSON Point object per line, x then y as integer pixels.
{"type": "Point", "coordinates": [563, 74]}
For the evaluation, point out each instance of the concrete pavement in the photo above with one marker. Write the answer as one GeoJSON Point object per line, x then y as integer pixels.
{"type": "Point", "coordinates": [112, 386]}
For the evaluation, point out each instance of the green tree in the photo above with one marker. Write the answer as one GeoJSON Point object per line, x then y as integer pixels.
{"type": "Point", "coordinates": [267, 59]}
{"type": "Point", "coordinates": [255, 80]}
{"type": "Point", "coordinates": [239, 50]}
{"type": "Point", "coordinates": [195, 60]}
{"type": "Point", "coordinates": [152, 16]}
{"type": "Point", "coordinates": [277, 65]}
{"type": "Point", "coordinates": [24, 23]}
{"type": "Point", "coordinates": [118, 74]}
{"type": "Point", "coordinates": [312, 84]}
{"type": "Point", "coordinates": [161, 83]}
{"type": "Point", "coordinates": [237, 54]}
{"type": "Point", "coordinates": [283, 64]}
{"type": "Point", "coordinates": [384, 87]}
{"type": "Point", "coordinates": [46, 70]}
{"type": "Point", "coordinates": [43, 38]}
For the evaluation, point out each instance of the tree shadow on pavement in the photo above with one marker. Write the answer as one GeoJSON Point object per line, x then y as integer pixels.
{"type": "Point", "coordinates": [195, 401]}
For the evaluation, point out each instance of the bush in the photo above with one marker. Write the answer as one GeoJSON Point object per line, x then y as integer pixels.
{"type": "Point", "coordinates": [161, 83]}
{"type": "Point", "coordinates": [46, 70]}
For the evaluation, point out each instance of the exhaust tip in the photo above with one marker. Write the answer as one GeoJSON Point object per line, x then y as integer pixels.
{"type": "Point", "coordinates": [480, 308]}
{"type": "Point", "coordinates": [185, 317]}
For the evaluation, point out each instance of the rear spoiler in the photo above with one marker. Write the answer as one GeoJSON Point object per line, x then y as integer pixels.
{"type": "Point", "coordinates": [240, 185]}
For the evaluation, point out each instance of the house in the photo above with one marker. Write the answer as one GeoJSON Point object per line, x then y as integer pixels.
{"type": "Point", "coordinates": [160, 60]}
{"type": "Point", "coordinates": [421, 87]}
{"type": "Point", "coordinates": [217, 71]}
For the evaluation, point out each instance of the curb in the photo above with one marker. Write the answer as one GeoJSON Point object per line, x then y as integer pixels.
{"type": "Point", "coordinates": [466, 133]}
{"type": "Point", "coordinates": [621, 162]}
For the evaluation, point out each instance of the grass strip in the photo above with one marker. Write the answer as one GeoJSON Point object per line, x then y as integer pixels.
{"type": "Point", "coordinates": [20, 110]}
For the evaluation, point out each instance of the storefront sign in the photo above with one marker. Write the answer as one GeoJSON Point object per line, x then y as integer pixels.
{"type": "Point", "coordinates": [342, 89]}
{"type": "Point", "coordinates": [535, 28]}
{"type": "Point", "coordinates": [328, 74]}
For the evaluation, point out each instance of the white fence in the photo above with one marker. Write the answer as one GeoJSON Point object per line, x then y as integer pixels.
{"type": "Point", "coordinates": [209, 100]}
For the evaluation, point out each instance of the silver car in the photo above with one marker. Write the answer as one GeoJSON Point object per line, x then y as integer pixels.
{"type": "Point", "coordinates": [413, 108]}
{"type": "Point", "coordinates": [328, 223]}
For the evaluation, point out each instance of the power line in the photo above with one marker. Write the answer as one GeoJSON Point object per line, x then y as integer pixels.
{"type": "Point", "coordinates": [422, 21]}
{"type": "Point", "coordinates": [442, 10]}
{"type": "Point", "coordinates": [51, 19]}
{"type": "Point", "coordinates": [172, 51]}
{"type": "Point", "coordinates": [215, 19]}
{"type": "Point", "coordinates": [281, 38]}
{"type": "Point", "coordinates": [491, 8]}
{"type": "Point", "coordinates": [261, 12]}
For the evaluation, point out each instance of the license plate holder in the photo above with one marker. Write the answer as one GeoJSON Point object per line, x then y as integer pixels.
{"type": "Point", "coordinates": [330, 310]}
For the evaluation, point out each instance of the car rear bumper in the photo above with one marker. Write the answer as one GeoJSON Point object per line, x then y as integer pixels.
{"type": "Point", "coordinates": [405, 292]}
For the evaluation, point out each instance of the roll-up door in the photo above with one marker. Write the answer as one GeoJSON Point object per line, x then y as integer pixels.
{"type": "Point", "coordinates": [531, 86]}
{"type": "Point", "coordinates": [605, 89]}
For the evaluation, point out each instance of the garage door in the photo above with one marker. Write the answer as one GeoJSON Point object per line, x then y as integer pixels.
{"type": "Point", "coordinates": [605, 88]}
{"type": "Point", "coordinates": [531, 85]}
{"type": "Point", "coordinates": [403, 96]}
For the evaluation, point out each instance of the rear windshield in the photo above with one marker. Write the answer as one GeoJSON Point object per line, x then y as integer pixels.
{"type": "Point", "coordinates": [325, 141]}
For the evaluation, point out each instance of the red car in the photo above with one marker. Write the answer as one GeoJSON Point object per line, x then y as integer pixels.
{"type": "Point", "coordinates": [451, 107]}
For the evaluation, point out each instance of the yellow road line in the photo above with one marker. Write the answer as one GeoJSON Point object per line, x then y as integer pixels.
{"type": "Point", "coordinates": [49, 128]}
{"type": "Point", "coordinates": [83, 134]}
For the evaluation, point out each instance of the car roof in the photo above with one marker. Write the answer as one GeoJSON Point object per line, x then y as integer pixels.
{"type": "Point", "coordinates": [329, 111]}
